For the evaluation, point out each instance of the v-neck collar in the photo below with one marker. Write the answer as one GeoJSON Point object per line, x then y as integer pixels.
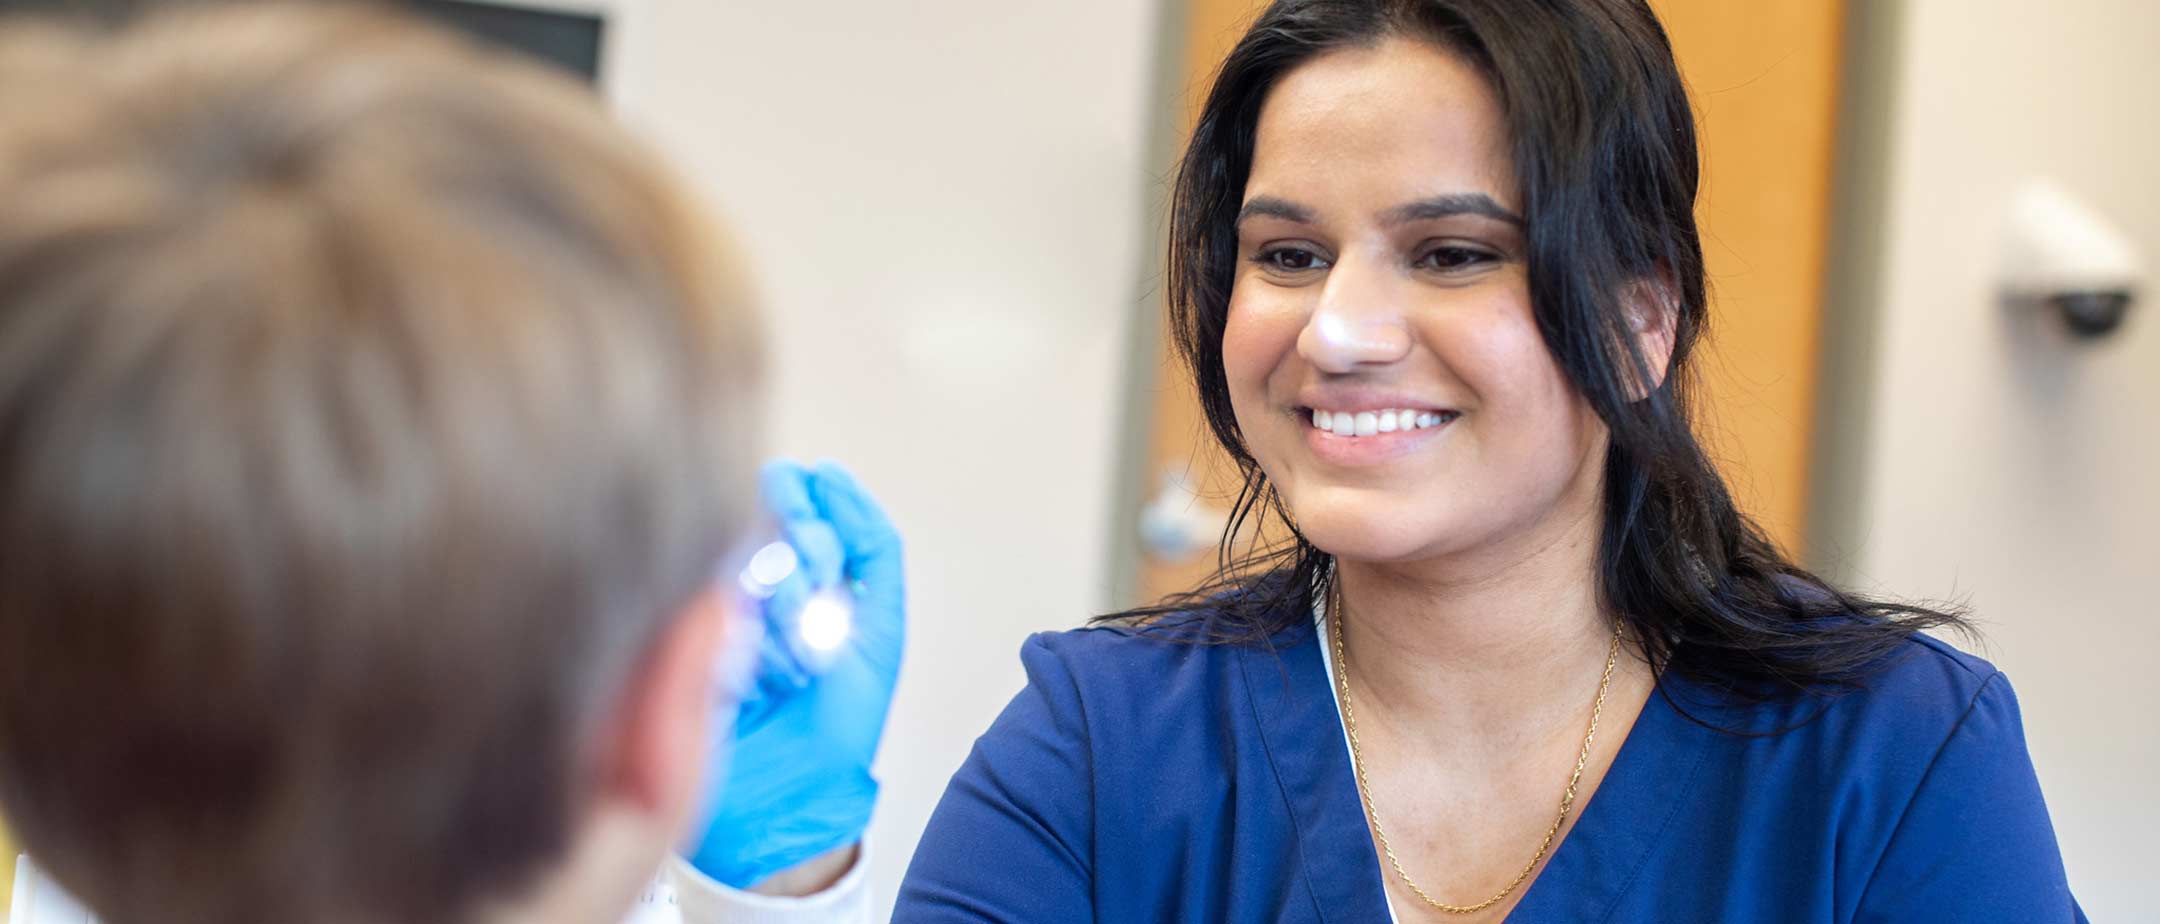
{"type": "Point", "coordinates": [1295, 712]}
{"type": "Point", "coordinates": [1293, 704]}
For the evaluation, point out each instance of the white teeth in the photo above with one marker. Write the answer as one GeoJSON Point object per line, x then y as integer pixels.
{"type": "Point", "coordinates": [1368, 423]}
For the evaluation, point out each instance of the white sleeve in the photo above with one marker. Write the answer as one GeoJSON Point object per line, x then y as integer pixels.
{"type": "Point", "coordinates": [705, 901]}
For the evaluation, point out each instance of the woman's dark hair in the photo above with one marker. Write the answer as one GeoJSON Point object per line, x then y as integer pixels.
{"type": "Point", "coordinates": [1605, 158]}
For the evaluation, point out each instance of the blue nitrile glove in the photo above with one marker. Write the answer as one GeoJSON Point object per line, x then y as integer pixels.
{"type": "Point", "coordinates": [797, 783]}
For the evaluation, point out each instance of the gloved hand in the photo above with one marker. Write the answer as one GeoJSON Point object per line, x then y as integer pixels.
{"type": "Point", "coordinates": [797, 783]}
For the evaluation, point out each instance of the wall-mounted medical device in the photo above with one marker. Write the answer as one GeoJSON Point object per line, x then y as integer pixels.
{"type": "Point", "coordinates": [2064, 258]}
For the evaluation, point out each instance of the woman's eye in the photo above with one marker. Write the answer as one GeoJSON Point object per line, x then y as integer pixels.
{"type": "Point", "coordinates": [1289, 259]}
{"type": "Point", "coordinates": [1454, 258]}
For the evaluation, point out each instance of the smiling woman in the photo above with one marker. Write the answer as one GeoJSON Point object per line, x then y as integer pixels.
{"type": "Point", "coordinates": [1435, 272]}
{"type": "Point", "coordinates": [1402, 284]}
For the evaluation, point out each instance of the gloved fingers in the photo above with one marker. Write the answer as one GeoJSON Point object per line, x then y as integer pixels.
{"type": "Point", "coordinates": [874, 559]}
{"type": "Point", "coordinates": [781, 659]}
{"type": "Point", "coordinates": [784, 487]}
{"type": "Point", "coordinates": [867, 535]}
{"type": "Point", "coordinates": [780, 672]}
{"type": "Point", "coordinates": [770, 694]}
{"type": "Point", "coordinates": [819, 553]}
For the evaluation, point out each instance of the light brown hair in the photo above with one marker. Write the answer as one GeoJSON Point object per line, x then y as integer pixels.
{"type": "Point", "coordinates": [369, 402]}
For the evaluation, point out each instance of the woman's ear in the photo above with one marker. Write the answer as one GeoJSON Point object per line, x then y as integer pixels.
{"type": "Point", "coordinates": [1653, 313]}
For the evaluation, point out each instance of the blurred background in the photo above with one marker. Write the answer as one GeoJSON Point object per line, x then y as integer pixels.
{"type": "Point", "coordinates": [954, 210]}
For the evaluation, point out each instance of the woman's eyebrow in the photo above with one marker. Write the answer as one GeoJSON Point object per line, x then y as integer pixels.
{"type": "Point", "coordinates": [1449, 206]}
{"type": "Point", "coordinates": [1272, 207]}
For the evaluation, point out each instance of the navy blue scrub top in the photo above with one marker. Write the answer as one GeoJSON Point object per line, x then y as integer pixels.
{"type": "Point", "coordinates": [1140, 779]}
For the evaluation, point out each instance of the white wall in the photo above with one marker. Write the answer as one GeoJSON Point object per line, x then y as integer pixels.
{"type": "Point", "coordinates": [944, 206]}
{"type": "Point", "coordinates": [1983, 455]}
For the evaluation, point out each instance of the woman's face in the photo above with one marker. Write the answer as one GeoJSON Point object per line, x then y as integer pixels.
{"type": "Point", "coordinates": [1381, 354]}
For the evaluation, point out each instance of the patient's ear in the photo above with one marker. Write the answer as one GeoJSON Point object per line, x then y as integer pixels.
{"type": "Point", "coordinates": [656, 748]}
{"type": "Point", "coordinates": [1653, 313]}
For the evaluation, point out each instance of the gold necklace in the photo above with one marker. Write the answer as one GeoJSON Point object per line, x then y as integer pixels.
{"type": "Point", "coordinates": [1336, 617]}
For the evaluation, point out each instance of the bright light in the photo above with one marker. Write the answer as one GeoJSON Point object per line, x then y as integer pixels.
{"type": "Point", "coordinates": [826, 621]}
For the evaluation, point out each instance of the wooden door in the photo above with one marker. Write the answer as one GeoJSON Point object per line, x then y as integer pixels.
{"type": "Point", "coordinates": [7, 870]}
{"type": "Point", "coordinates": [1763, 76]}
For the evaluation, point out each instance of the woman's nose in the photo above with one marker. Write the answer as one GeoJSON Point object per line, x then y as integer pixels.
{"type": "Point", "coordinates": [1357, 323]}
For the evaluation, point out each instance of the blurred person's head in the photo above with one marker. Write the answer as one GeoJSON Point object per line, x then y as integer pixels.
{"type": "Point", "coordinates": [372, 418]}
{"type": "Point", "coordinates": [1435, 270]}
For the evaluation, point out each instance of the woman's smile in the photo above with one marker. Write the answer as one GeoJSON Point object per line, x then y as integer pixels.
{"type": "Point", "coordinates": [1369, 428]}
{"type": "Point", "coordinates": [1377, 448]}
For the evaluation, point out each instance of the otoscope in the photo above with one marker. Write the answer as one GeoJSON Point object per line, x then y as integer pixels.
{"type": "Point", "coordinates": [827, 617]}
